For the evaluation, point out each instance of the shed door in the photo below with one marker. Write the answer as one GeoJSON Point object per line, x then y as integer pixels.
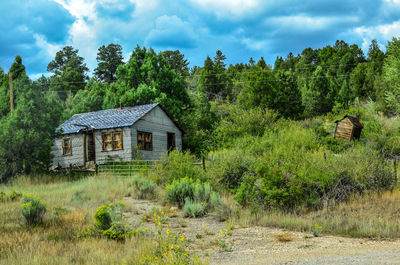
{"type": "Point", "coordinates": [170, 141]}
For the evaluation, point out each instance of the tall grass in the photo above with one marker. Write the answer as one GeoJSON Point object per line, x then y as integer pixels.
{"type": "Point", "coordinates": [62, 237]}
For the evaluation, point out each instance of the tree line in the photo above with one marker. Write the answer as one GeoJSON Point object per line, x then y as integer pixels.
{"type": "Point", "coordinates": [312, 83]}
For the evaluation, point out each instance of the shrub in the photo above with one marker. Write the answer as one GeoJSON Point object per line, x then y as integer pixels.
{"type": "Point", "coordinates": [194, 197]}
{"type": "Point", "coordinates": [109, 222]}
{"type": "Point", "coordinates": [102, 217]}
{"type": "Point", "coordinates": [33, 209]}
{"type": "Point", "coordinates": [15, 195]}
{"type": "Point", "coordinates": [144, 188]}
{"type": "Point", "coordinates": [194, 209]}
{"type": "Point", "coordinates": [176, 166]}
{"type": "Point", "coordinates": [2, 196]}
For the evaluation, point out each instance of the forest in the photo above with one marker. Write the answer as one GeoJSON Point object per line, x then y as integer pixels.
{"type": "Point", "coordinates": [266, 130]}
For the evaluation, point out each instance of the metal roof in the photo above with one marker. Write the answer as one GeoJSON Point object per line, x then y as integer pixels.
{"type": "Point", "coordinates": [105, 119]}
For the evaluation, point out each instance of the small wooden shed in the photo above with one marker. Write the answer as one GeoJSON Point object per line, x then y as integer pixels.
{"type": "Point", "coordinates": [348, 128]}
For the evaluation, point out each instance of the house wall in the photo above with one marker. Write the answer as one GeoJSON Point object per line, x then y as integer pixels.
{"type": "Point", "coordinates": [125, 154]}
{"type": "Point", "coordinates": [76, 159]}
{"type": "Point", "coordinates": [158, 123]}
{"type": "Point", "coordinates": [344, 129]}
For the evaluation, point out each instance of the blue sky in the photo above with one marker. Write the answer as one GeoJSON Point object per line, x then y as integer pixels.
{"type": "Point", "coordinates": [37, 29]}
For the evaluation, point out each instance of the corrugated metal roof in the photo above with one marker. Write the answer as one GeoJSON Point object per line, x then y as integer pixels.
{"type": "Point", "coordinates": [105, 119]}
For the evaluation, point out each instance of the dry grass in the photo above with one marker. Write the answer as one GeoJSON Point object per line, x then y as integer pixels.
{"type": "Point", "coordinates": [371, 215]}
{"type": "Point", "coordinates": [61, 239]}
{"type": "Point", "coordinates": [284, 237]}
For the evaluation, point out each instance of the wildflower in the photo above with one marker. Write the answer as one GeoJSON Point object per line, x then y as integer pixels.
{"type": "Point", "coordinates": [186, 250]}
{"type": "Point", "coordinates": [182, 238]}
{"type": "Point", "coordinates": [159, 223]}
{"type": "Point", "coordinates": [172, 246]}
{"type": "Point", "coordinates": [168, 231]}
{"type": "Point", "coordinates": [221, 232]}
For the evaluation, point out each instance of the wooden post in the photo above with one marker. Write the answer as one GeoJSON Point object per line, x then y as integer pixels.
{"type": "Point", "coordinates": [96, 169]}
{"type": "Point", "coordinates": [11, 92]}
{"type": "Point", "coordinates": [204, 163]}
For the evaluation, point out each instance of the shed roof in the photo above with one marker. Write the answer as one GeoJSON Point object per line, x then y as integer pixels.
{"type": "Point", "coordinates": [356, 122]}
{"type": "Point", "coordinates": [105, 119]}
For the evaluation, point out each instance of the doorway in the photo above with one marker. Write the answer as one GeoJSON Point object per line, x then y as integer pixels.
{"type": "Point", "coordinates": [90, 151]}
{"type": "Point", "coordinates": [170, 141]}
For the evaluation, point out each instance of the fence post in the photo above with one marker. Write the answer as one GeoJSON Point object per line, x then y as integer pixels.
{"type": "Point", "coordinates": [130, 173]}
{"type": "Point", "coordinates": [203, 160]}
{"type": "Point", "coordinates": [96, 169]}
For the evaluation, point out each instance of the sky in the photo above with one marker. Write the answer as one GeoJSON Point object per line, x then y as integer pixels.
{"type": "Point", "coordinates": [37, 29]}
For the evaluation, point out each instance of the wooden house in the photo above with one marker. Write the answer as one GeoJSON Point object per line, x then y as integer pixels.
{"type": "Point", "coordinates": [348, 128]}
{"type": "Point", "coordinates": [116, 134]}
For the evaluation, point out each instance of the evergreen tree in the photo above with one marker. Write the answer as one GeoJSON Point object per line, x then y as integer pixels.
{"type": "Point", "coordinates": [108, 59]}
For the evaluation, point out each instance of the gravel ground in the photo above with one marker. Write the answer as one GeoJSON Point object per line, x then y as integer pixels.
{"type": "Point", "coordinates": [260, 245]}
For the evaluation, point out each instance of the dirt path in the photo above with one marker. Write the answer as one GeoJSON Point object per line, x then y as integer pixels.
{"type": "Point", "coordinates": [263, 245]}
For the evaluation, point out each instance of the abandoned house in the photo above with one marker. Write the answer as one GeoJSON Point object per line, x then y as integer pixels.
{"type": "Point", "coordinates": [348, 128]}
{"type": "Point", "coordinates": [115, 134]}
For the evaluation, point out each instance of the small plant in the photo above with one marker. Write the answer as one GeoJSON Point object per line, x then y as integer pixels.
{"type": "Point", "coordinates": [15, 195]}
{"type": "Point", "coordinates": [33, 209]}
{"type": "Point", "coordinates": [317, 229]}
{"type": "Point", "coordinates": [199, 236]}
{"type": "Point", "coordinates": [144, 188]}
{"type": "Point", "coordinates": [196, 198]}
{"type": "Point", "coordinates": [109, 222]}
{"type": "Point", "coordinates": [194, 209]}
{"type": "Point", "coordinates": [2, 196]}
{"type": "Point", "coordinates": [102, 218]}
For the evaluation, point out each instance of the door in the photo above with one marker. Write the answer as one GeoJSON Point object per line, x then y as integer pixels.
{"type": "Point", "coordinates": [170, 141]}
{"type": "Point", "coordinates": [90, 153]}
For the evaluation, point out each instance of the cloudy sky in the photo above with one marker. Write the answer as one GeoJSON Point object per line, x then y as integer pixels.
{"type": "Point", "coordinates": [37, 29]}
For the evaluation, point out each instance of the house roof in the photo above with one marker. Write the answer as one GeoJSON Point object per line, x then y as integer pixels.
{"type": "Point", "coordinates": [356, 122]}
{"type": "Point", "coordinates": [105, 119]}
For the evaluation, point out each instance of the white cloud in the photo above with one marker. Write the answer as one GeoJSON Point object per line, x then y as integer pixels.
{"type": "Point", "coordinates": [223, 8]}
{"type": "Point", "coordinates": [303, 22]}
{"type": "Point", "coordinates": [381, 32]}
{"type": "Point", "coordinates": [255, 45]}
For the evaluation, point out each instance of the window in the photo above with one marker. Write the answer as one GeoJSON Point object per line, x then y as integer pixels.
{"type": "Point", "coordinates": [112, 141]}
{"type": "Point", "coordinates": [145, 141]}
{"type": "Point", "coordinates": [66, 146]}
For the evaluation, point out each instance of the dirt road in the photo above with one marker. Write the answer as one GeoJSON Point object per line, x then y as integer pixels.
{"type": "Point", "coordinates": [220, 245]}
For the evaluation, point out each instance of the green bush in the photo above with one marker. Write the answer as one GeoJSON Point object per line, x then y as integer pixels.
{"type": "Point", "coordinates": [194, 209]}
{"type": "Point", "coordinates": [109, 222]}
{"type": "Point", "coordinates": [15, 195]}
{"type": "Point", "coordinates": [192, 196]}
{"type": "Point", "coordinates": [102, 217]}
{"type": "Point", "coordinates": [175, 166]}
{"type": "Point", "coordinates": [144, 188]}
{"type": "Point", "coordinates": [33, 209]}
{"type": "Point", "coordinates": [2, 196]}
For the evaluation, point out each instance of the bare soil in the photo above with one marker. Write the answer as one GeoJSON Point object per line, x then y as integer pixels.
{"type": "Point", "coordinates": [266, 245]}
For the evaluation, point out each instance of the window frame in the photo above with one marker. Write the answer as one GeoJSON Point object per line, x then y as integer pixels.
{"type": "Point", "coordinates": [113, 140]}
{"type": "Point", "coordinates": [63, 141]}
{"type": "Point", "coordinates": [142, 144]}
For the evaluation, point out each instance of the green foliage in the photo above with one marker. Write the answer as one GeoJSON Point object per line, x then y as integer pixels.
{"type": "Point", "coordinates": [175, 166]}
{"type": "Point", "coordinates": [14, 195]}
{"type": "Point", "coordinates": [102, 217]}
{"type": "Point", "coordinates": [196, 198]}
{"type": "Point", "coordinates": [110, 224]}
{"type": "Point", "coordinates": [194, 209]}
{"type": "Point", "coordinates": [26, 135]}
{"type": "Point", "coordinates": [144, 188]}
{"type": "Point", "coordinates": [108, 58]}
{"type": "Point", "coordinates": [33, 209]}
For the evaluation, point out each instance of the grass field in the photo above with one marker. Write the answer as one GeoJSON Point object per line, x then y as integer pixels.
{"type": "Point", "coordinates": [72, 203]}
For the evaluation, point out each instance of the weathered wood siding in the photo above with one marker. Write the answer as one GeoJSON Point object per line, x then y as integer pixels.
{"type": "Point", "coordinates": [125, 154]}
{"type": "Point", "coordinates": [76, 159]}
{"type": "Point", "coordinates": [344, 129]}
{"type": "Point", "coordinates": [159, 124]}
{"type": "Point", "coordinates": [156, 122]}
